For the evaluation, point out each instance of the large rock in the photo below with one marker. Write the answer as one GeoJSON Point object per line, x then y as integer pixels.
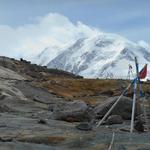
{"type": "Point", "coordinates": [114, 119]}
{"type": "Point", "coordinates": [6, 73]}
{"type": "Point", "coordinates": [72, 111]}
{"type": "Point", "coordinates": [25, 146]}
{"type": "Point", "coordinates": [123, 108]}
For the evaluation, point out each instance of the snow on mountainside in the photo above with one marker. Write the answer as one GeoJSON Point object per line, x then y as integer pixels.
{"type": "Point", "coordinates": [92, 53]}
{"type": "Point", "coordinates": [100, 57]}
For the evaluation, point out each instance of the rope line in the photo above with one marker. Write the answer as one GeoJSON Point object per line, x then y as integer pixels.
{"type": "Point", "coordinates": [112, 141]}
{"type": "Point", "coordinates": [113, 106]}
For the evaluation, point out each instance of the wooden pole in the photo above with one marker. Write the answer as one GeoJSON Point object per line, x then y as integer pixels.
{"type": "Point", "coordinates": [134, 96]}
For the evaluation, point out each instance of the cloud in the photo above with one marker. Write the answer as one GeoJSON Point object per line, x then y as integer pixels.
{"type": "Point", "coordinates": [144, 44]}
{"type": "Point", "coordinates": [53, 30]}
{"type": "Point", "coordinates": [49, 31]}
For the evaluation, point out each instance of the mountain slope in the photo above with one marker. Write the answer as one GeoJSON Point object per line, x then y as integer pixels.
{"type": "Point", "coordinates": [99, 56]}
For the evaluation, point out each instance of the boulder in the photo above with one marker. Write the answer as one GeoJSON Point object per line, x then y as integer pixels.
{"type": "Point", "coordinates": [75, 111]}
{"type": "Point", "coordinates": [123, 108]}
{"type": "Point", "coordinates": [114, 119]}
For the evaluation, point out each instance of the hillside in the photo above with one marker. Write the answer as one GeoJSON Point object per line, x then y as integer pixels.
{"type": "Point", "coordinates": [49, 109]}
{"type": "Point", "coordinates": [33, 71]}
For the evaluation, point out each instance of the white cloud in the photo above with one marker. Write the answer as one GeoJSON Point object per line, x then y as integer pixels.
{"type": "Point", "coordinates": [50, 31]}
{"type": "Point", "coordinates": [144, 44]}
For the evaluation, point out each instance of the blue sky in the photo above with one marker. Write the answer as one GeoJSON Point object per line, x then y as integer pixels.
{"type": "Point", "coordinates": [29, 26]}
{"type": "Point", "coordinates": [129, 18]}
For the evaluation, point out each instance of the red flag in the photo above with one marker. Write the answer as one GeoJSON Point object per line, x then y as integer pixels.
{"type": "Point", "coordinates": [143, 72]}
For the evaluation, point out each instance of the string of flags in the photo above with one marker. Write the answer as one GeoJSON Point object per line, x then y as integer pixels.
{"type": "Point", "coordinates": [139, 75]}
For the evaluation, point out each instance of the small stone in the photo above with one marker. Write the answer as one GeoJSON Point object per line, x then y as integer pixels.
{"type": "Point", "coordinates": [84, 126]}
{"type": "Point", "coordinates": [42, 121]}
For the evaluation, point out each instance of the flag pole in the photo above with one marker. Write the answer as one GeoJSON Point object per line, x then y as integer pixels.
{"type": "Point", "coordinates": [134, 96]}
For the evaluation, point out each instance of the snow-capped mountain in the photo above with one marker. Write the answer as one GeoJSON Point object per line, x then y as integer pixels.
{"type": "Point", "coordinates": [92, 53]}
{"type": "Point", "coordinates": [98, 56]}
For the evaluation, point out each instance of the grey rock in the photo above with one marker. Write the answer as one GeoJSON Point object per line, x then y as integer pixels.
{"type": "Point", "coordinates": [25, 146]}
{"type": "Point", "coordinates": [86, 126]}
{"type": "Point", "coordinates": [123, 108]}
{"type": "Point", "coordinates": [114, 119]}
{"type": "Point", "coordinates": [72, 111]}
{"type": "Point", "coordinates": [121, 147]}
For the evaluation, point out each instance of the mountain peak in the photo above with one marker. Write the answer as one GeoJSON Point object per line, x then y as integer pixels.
{"type": "Point", "coordinates": [91, 53]}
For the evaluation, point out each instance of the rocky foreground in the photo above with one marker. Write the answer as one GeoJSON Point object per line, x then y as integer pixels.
{"type": "Point", "coordinates": [48, 109]}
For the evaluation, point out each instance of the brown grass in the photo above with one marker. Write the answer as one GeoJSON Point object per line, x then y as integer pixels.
{"type": "Point", "coordinates": [88, 90]}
